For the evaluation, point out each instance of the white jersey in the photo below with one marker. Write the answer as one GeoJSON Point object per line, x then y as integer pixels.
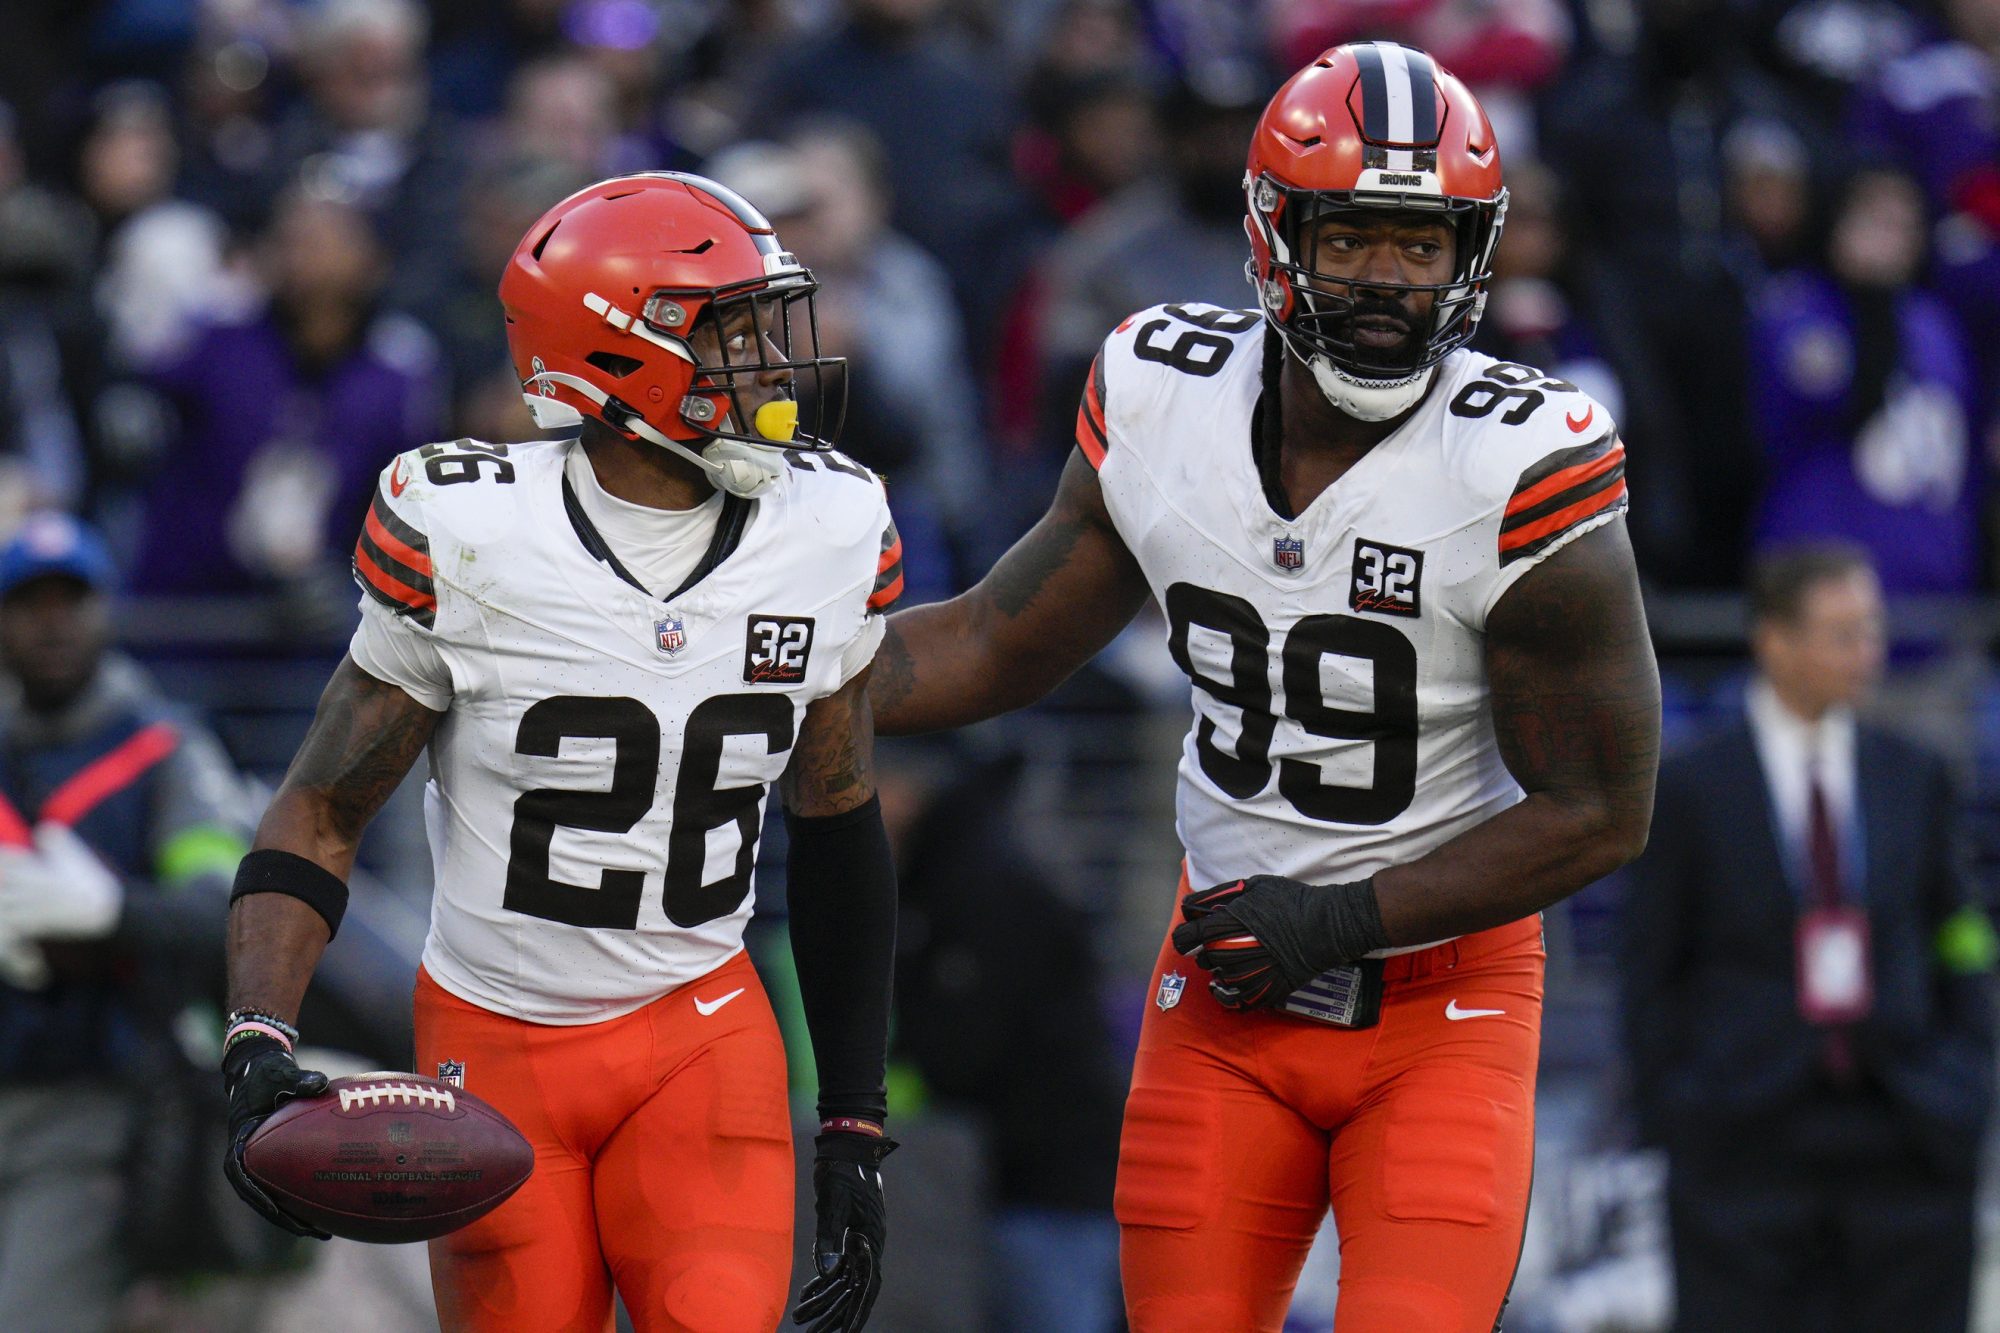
{"type": "Point", "coordinates": [599, 778]}
{"type": "Point", "coordinates": [1342, 716]}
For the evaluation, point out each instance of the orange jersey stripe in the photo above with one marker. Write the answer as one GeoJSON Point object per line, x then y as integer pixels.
{"type": "Point", "coordinates": [396, 546]}
{"type": "Point", "coordinates": [1558, 482]}
{"type": "Point", "coordinates": [390, 586]}
{"type": "Point", "coordinates": [1092, 402]}
{"type": "Point", "coordinates": [886, 594]}
{"type": "Point", "coordinates": [1088, 440]}
{"type": "Point", "coordinates": [1562, 518]}
{"type": "Point", "coordinates": [889, 557]}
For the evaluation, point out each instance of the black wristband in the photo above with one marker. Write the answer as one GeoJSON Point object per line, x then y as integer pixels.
{"type": "Point", "coordinates": [269, 870]}
{"type": "Point", "coordinates": [842, 896]}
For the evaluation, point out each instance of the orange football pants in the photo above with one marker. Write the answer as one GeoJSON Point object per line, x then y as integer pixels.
{"type": "Point", "coordinates": [663, 1164]}
{"type": "Point", "coordinates": [1242, 1128]}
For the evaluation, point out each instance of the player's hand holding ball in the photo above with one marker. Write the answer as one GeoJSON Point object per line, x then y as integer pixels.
{"type": "Point", "coordinates": [259, 1074]}
{"type": "Point", "coordinates": [1263, 937]}
{"type": "Point", "coordinates": [851, 1226]}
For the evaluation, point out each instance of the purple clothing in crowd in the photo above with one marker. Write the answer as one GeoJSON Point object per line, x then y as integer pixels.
{"type": "Point", "coordinates": [1934, 113]}
{"type": "Point", "coordinates": [1906, 483]}
{"type": "Point", "coordinates": [239, 388]}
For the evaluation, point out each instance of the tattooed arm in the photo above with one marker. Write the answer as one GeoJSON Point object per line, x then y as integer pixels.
{"type": "Point", "coordinates": [1576, 706]}
{"type": "Point", "coordinates": [832, 768]}
{"type": "Point", "coordinates": [1048, 606]}
{"type": "Point", "coordinates": [364, 738]}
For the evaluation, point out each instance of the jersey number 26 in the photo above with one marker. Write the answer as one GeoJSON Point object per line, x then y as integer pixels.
{"type": "Point", "coordinates": [699, 806]}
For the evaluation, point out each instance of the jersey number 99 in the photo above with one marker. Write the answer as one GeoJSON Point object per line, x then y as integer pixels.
{"type": "Point", "coordinates": [1391, 724]}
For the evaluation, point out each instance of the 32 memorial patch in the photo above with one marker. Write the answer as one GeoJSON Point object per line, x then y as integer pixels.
{"type": "Point", "coordinates": [1387, 579]}
{"type": "Point", "coordinates": [777, 650]}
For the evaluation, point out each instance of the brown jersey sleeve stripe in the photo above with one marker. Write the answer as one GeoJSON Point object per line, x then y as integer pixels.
{"type": "Point", "coordinates": [1531, 538]}
{"type": "Point", "coordinates": [1090, 433]}
{"type": "Point", "coordinates": [392, 592]}
{"type": "Point", "coordinates": [888, 570]}
{"type": "Point", "coordinates": [414, 555]}
{"type": "Point", "coordinates": [419, 580]}
{"type": "Point", "coordinates": [395, 526]}
{"type": "Point", "coordinates": [885, 596]}
{"type": "Point", "coordinates": [1090, 439]}
{"type": "Point", "coordinates": [1594, 463]}
{"type": "Point", "coordinates": [1595, 478]}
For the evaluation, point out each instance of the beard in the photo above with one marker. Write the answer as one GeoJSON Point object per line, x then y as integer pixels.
{"type": "Point", "coordinates": [1380, 336]}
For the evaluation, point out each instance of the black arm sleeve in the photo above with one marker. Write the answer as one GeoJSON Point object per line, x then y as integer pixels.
{"type": "Point", "coordinates": [842, 892]}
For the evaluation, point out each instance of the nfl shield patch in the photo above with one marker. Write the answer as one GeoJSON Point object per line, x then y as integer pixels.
{"type": "Point", "coordinates": [1171, 986]}
{"type": "Point", "coordinates": [672, 635]}
{"type": "Point", "coordinates": [452, 1072]}
{"type": "Point", "coordinates": [1289, 552]}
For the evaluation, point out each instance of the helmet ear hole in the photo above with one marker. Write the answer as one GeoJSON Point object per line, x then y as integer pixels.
{"type": "Point", "coordinates": [614, 365]}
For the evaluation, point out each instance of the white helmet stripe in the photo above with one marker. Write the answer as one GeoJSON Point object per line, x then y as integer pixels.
{"type": "Point", "coordinates": [1396, 83]}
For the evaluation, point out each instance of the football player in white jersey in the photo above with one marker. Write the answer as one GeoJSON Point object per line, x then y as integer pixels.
{"type": "Point", "coordinates": [1397, 576]}
{"type": "Point", "coordinates": [611, 647]}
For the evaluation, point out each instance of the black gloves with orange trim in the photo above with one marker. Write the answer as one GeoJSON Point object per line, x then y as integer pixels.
{"type": "Point", "coordinates": [1263, 937]}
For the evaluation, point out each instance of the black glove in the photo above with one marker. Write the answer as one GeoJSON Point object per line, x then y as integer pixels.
{"type": "Point", "coordinates": [1262, 938]}
{"type": "Point", "coordinates": [260, 1075]}
{"type": "Point", "coordinates": [847, 1242]}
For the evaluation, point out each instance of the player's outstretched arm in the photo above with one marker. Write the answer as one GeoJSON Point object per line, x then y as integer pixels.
{"type": "Point", "coordinates": [841, 890]}
{"type": "Point", "coordinates": [1051, 603]}
{"type": "Point", "coordinates": [1576, 709]}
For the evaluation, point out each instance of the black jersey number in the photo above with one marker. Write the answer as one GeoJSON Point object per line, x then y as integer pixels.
{"type": "Point", "coordinates": [1391, 723]}
{"type": "Point", "coordinates": [699, 807]}
{"type": "Point", "coordinates": [1199, 350]}
{"type": "Point", "coordinates": [450, 469]}
{"type": "Point", "coordinates": [811, 460]}
{"type": "Point", "coordinates": [1506, 381]}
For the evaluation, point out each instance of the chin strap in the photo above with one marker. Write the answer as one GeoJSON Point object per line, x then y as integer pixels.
{"type": "Point", "coordinates": [1368, 400]}
{"type": "Point", "coordinates": [735, 466]}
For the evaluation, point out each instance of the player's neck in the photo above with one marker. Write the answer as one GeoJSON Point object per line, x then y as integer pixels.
{"type": "Point", "coordinates": [640, 473]}
{"type": "Point", "coordinates": [1318, 442]}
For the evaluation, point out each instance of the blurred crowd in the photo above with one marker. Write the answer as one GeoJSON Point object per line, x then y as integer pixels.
{"type": "Point", "coordinates": [249, 250]}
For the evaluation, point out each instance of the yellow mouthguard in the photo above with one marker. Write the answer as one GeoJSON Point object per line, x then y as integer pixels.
{"type": "Point", "coordinates": [778, 420]}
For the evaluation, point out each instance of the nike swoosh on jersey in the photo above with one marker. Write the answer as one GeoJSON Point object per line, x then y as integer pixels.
{"type": "Point", "coordinates": [1454, 1013]}
{"type": "Point", "coordinates": [1580, 426]}
{"type": "Point", "coordinates": [707, 1007]}
{"type": "Point", "coordinates": [397, 479]}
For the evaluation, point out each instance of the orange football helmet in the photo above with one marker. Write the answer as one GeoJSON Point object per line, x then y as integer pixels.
{"type": "Point", "coordinates": [663, 305]}
{"type": "Point", "coordinates": [1370, 125]}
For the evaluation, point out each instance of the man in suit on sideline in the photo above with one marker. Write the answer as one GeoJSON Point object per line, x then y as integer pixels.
{"type": "Point", "coordinates": [1804, 992]}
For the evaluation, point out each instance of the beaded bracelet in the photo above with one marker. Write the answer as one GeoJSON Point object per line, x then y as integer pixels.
{"type": "Point", "coordinates": [244, 1031]}
{"type": "Point", "coordinates": [278, 1027]}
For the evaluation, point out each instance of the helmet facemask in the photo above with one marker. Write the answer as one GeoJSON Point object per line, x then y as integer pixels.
{"type": "Point", "coordinates": [738, 337]}
{"type": "Point", "coordinates": [1314, 312]}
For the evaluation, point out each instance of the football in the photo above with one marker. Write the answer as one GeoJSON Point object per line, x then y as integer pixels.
{"type": "Point", "coordinates": [389, 1158]}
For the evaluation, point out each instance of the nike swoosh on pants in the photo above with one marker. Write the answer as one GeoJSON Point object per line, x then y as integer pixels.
{"type": "Point", "coordinates": [707, 1007]}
